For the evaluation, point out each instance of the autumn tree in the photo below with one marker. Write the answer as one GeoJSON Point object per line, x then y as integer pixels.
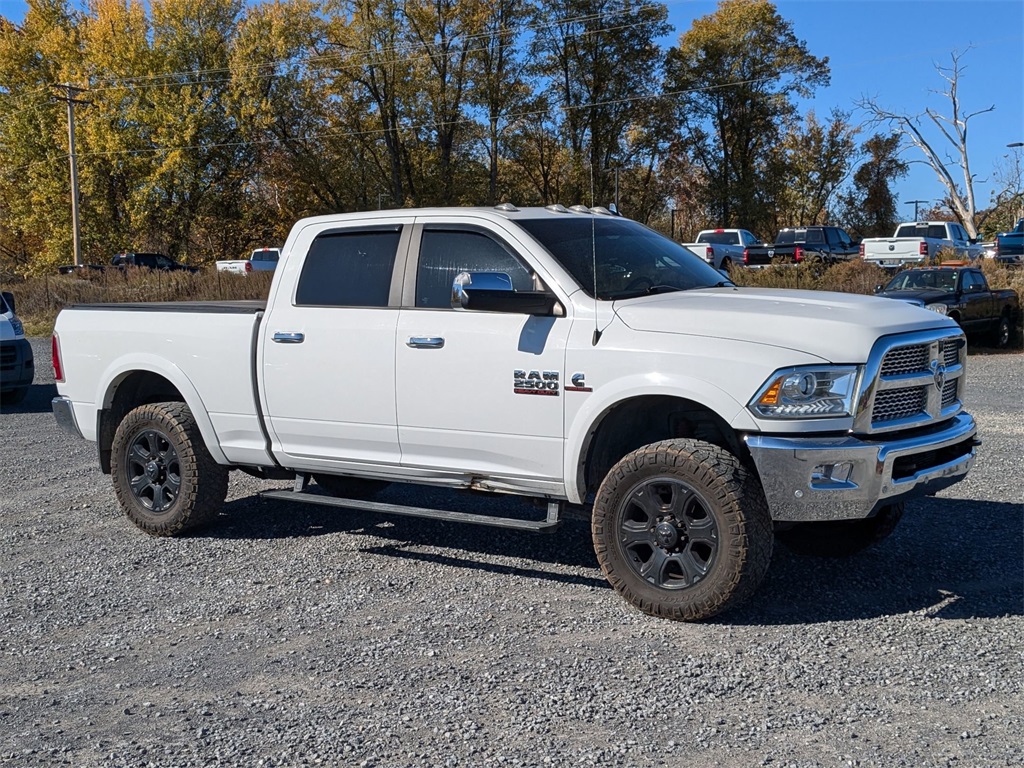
{"type": "Point", "coordinates": [35, 190]}
{"type": "Point", "coordinates": [600, 60]}
{"type": "Point", "coordinates": [815, 161]}
{"type": "Point", "coordinates": [869, 208]}
{"type": "Point", "coordinates": [501, 87]}
{"type": "Point", "coordinates": [733, 78]}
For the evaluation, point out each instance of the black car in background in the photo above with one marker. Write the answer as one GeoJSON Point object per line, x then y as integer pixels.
{"type": "Point", "coordinates": [150, 261]}
{"type": "Point", "coordinates": [961, 293]}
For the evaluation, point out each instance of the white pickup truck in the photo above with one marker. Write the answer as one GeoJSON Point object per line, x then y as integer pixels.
{"type": "Point", "coordinates": [722, 248]}
{"type": "Point", "coordinates": [917, 242]}
{"type": "Point", "coordinates": [260, 260]}
{"type": "Point", "coordinates": [562, 354]}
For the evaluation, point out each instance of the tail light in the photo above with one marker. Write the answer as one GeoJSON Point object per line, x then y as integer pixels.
{"type": "Point", "coordinates": [861, 250]}
{"type": "Point", "coordinates": [922, 248]}
{"type": "Point", "coordinates": [746, 256]}
{"type": "Point", "coordinates": [798, 254]}
{"type": "Point", "coordinates": [995, 249]}
{"type": "Point", "coordinates": [248, 266]}
{"type": "Point", "coordinates": [58, 368]}
{"type": "Point", "coordinates": [709, 255]}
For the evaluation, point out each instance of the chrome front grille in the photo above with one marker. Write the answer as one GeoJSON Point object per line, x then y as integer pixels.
{"type": "Point", "coordinates": [951, 353]}
{"type": "Point", "coordinates": [898, 404]}
{"type": "Point", "coordinates": [905, 360]}
{"type": "Point", "coordinates": [911, 380]}
{"type": "Point", "coordinates": [950, 392]}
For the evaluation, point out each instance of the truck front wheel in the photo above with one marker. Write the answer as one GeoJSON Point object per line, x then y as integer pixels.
{"type": "Point", "coordinates": [682, 530]}
{"type": "Point", "coordinates": [841, 538]}
{"type": "Point", "coordinates": [165, 479]}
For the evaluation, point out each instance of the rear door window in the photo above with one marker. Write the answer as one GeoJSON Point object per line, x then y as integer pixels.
{"type": "Point", "coordinates": [349, 269]}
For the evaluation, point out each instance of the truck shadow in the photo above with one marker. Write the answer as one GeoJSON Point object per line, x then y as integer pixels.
{"type": "Point", "coordinates": [36, 401]}
{"type": "Point", "coordinates": [949, 558]}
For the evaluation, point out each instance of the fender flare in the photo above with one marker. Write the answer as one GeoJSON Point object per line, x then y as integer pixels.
{"type": "Point", "coordinates": [589, 417]}
{"type": "Point", "coordinates": [121, 368]}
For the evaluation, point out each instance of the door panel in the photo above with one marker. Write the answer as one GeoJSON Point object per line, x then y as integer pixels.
{"type": "Point", "coordinates": [484, 397]}
{"type": "Point", "coordinates": [462, 406]}
{"type": "Point", "coordinates": [327, 363]}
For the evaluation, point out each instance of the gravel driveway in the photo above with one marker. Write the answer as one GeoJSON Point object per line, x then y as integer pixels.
{"type": "Point", "coordinates": [299, 635]}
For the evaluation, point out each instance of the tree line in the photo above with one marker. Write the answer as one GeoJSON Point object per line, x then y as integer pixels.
{"type": "Point", "coordinates": [206, 127]}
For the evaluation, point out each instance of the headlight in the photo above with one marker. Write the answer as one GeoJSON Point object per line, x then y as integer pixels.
{"type": "Point", "coordinates": [807, 393]}
{"type": "Point", "coordinates": [19, 329]}
{"type": "Point", "coordinates": [940, 308]}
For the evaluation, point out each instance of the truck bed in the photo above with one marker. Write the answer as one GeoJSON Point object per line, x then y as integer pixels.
{"type": "Point", "coordinates": [204, 349]}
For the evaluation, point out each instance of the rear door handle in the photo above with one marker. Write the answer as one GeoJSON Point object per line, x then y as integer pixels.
{"type": "Point", "coordinates": [289, 338]}
{"type": "Point", "coordinates": [425, 342]}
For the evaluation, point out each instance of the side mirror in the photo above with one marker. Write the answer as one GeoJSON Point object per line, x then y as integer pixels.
{"type": "Point", "coordinates": [493, 292]}
{"type": "Point", "coordinates": [878, 288]}
{"type": "Point", "coordinates": [9, 301]}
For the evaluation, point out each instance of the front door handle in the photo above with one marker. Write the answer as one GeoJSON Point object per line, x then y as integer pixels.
{"type": "Point", "coordinates": [425, 342]}
{"type": "Point", "coordinates": [289, 338]}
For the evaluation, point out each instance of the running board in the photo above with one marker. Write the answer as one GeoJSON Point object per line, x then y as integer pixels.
{"type": "Point", "coordinates": [550, 523]}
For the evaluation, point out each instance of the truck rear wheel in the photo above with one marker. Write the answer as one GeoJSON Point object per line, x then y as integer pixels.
{"type": "Point", "coordinates": [165, 479]}
{"type": "Point", "coordinates": [841, 538]}
{"type": "Point", "coordinates": [682, 530]}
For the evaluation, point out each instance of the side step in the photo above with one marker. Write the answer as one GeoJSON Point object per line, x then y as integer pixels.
{"type": "Point", "coordinates": [549, 524]}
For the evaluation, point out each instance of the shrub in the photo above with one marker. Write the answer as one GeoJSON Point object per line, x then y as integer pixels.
{"type": "Point", "coordinates": [41, 298]}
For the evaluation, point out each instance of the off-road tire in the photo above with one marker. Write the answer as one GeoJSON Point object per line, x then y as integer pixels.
{"type": "Point", "coordinates": [165, 479]}
{"type": "Point", "coordinates": [713, 506]}
{"type": "Point", "coordinates": [841, 538]}
{"type": "Point", "coordinates": [350, 487]}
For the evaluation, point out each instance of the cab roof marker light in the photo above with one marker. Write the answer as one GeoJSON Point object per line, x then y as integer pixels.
{"type": "Point", "coordinates": [556, 208]}
{"type": "Point", "coordinates": [579, 209]}
{"type": "Point", "coordinates": [508, 207]}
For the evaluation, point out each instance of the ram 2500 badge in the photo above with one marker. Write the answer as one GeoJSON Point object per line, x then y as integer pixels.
{"type": "Point", "coordinates": [597, 364]}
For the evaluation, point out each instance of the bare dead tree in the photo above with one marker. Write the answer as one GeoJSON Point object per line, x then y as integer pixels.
{"type": "Point", "coordinates": [952, 129]}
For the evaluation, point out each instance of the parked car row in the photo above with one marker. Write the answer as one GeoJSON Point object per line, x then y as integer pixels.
{"type": "Point", "coordinates": [262, 259]}
{"type": "Point", "coordinates": [914, 243]}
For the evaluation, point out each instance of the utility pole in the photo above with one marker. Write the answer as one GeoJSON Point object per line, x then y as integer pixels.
{"type": "Point", "coordinates": [70, 92]}
{"type": "Point", "coordinates": [915, 203]}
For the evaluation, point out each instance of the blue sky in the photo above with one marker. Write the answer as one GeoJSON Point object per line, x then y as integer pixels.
{"type": "Point", "coordinates": [889, 49]}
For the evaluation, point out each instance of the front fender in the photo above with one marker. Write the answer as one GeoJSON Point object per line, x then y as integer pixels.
{"type": "Point", "coordinates": [602, 400]}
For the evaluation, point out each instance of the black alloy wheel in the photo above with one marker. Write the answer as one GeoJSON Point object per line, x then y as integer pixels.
{"type": "Point", "coordinates": [669, 536]}
{"type": "Point", "coordinates": [152, 467]}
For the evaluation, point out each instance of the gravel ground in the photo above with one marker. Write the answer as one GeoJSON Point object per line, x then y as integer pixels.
{"type": "Point", "coordinates": [299, 635]}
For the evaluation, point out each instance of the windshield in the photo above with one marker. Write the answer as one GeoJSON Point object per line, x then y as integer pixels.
{"type": "Point", "coordinates": [631, 259]}
{"type": "Point", "coordinates": [924, 280]}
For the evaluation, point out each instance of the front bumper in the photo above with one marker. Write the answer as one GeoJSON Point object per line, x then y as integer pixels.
{"type": "Point", "coordinates": [844, 478]}
{"type": "Point", "coordinates": [17, 366]}
{"type": "Point", "coordinates": [64, 413]}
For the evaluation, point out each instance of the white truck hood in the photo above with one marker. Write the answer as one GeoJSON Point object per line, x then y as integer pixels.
{"type": "Point", "coordinates": [838, 327]}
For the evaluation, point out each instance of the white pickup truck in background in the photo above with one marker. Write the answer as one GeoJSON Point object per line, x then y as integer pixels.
{"type": "Point", "coordinates": [722, 248]}
{"type": "Point", "coordinates": [260, 260]}
{"type": "Point", "coordinates": [565, 355]}
{"type": "Point", "coordinates": [917, 242]}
